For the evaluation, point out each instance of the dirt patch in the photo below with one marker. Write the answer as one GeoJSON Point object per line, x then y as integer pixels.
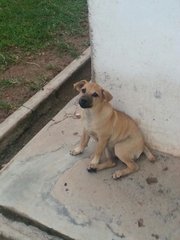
{"type": "Point", "coordinates": [19, 82]}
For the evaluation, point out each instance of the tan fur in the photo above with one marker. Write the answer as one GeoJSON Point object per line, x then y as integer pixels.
{"type": "Point", "coordinates": [116, 133]}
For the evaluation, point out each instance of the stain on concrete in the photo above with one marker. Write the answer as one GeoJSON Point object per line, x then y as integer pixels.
{"type": "Point", "coordinates": [140, 114]}
{"type": "Point", "coordinates": [157, 94]}
{"type": "Point", "coordinates": [135, 88]}
{"type": "Point", "coordinates": [120, 85]}
{"type": "Point", "coordinates": [62, 210]}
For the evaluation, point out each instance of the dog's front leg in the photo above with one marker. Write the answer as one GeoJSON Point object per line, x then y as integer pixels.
{"type": "Point", "coordinates": [83, 143]}
{"type": "Point", "coordinates": [101, 145]}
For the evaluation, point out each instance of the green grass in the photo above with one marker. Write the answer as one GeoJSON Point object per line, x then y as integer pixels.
{"type": "Point", "coordinates": [4, 105]}
{"type": "Point", "coordinates": [51, 67]}
{"type": "Point", "coordinates": [7, 83]}
{"type": "Point", "coordinates": [67, 48]}
{"type": "Point", "coordinates": [30, 25]}
{"type": "Point", "coordinates": [34, 85]}
{"type": "Point", "coordinates": [37, 84]}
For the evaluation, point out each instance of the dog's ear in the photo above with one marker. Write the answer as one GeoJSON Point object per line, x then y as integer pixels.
{"type": "Point", "coordinates": [79, 85]}
{"type": "Point", "coordinates": [106, 95]}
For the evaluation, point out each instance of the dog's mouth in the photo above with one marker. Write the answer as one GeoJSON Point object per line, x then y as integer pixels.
{"type": "Point", "coordinates": [85, 101]}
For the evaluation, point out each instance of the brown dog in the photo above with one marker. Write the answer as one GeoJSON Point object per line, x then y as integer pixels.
{"type": "Point", "coordinates": [116, 133]}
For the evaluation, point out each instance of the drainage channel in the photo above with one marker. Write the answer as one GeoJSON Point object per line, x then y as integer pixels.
{"type": "Point", "coordinates": [45, 113]}
{"type": "Point", "coordinates": [25, 228]}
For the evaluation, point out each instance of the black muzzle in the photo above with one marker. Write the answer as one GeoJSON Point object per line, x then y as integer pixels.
{"type": "Point", "coordinates": [86, 101]}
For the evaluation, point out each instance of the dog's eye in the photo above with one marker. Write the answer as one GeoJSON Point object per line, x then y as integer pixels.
{"type": "Point", "coordinates": [95, 94]}
{"type": "Point", "coordinates": [83, 90]}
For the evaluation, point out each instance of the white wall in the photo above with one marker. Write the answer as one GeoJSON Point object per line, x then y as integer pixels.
{"type": "Point", "coordinates": [136, 55]}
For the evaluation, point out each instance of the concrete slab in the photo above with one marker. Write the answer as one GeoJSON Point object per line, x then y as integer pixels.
{"type": "Point", "coordinates": [47, 185]}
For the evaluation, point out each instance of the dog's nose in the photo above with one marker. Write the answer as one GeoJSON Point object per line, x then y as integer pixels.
{"type": "Point", "coordinates": [85, 101]}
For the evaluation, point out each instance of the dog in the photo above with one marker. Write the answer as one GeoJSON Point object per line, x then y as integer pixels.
{"type": "Point", "coordinates": [116, 133]}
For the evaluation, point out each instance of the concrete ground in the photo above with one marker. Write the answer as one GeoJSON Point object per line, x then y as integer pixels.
{"type": "Point", "coordinates": [48, 189]}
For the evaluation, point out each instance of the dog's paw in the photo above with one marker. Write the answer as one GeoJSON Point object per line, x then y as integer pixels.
{"type": "Point", "coordinates": [116, 175]}
{"type": "Point", "coordinates": [152, 159]}
{"type": "Point", "coordinates": [92, 168]}
{"type": "Point", "coordinates": [75, 151]}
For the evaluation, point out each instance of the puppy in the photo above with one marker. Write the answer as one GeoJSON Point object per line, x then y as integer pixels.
{"type": "Point", "coordinates": [115, 132]}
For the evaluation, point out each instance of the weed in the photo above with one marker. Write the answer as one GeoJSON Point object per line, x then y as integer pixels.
{"type": "Point", "coordinates": [51, 67]}
{"type": "Point", "coordinates": [7, 83]}
{"type": "Point", "coordinates": [6, 59]}
{"type": "Point", "coordinates": [67, 48]}
{"type": "Point", "coordinates": [4, 105]}
{"type": "Point", "coordinates": [37, 84]}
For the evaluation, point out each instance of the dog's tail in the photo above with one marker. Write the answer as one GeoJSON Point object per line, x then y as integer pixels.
{"type": "Point", "coordinates": [148, 154]}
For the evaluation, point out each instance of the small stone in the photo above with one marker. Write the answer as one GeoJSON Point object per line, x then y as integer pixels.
{"type": "Point", "coordinates": [67, 189]}
{"type": "Point", "coordinates": [165, 169]}
{"type": "Point", "coordinates": [140, 222]}
{"type": "Point", "coordinates": [122, 235]}
{"type": "Point", "coordinates": [151, 180]}
{"type": "Point", "coordinates": [156, 236]}
{"type": "Point", "coordinates": [160, 191]}
{"type": "Point", "coordinates": [75, 133]}
{"type": "Point", "coordinates": [65, 184]}
{"type": "Point", "coordinates": [77, 115]}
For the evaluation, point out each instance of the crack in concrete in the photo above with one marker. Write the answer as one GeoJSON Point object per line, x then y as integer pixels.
{"type": "Point", "coordinates": [28, 108]}
{"type": "Point", "coordinates": [115, 233]}
{"type": "Point", "coordinates": [66, 115]}
{"type": "Point", "coordinates": [42, 154]}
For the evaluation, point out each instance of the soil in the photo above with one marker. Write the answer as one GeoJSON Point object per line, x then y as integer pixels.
{"type": "Point", "coordinates": [33, 73]}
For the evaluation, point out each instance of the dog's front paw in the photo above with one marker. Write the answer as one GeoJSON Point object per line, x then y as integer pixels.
{"type": "Point", "coordinates": [92, 168]}
{"type": "Point", "coordinates": [76, 151]}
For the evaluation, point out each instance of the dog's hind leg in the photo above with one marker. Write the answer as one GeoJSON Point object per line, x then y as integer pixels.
{"type": "Point", "coordinates": [149, 155]}
{"type": "Point", "coordinates": [121, 151]}
{"type": "Point", "coordinates": [108, 163]}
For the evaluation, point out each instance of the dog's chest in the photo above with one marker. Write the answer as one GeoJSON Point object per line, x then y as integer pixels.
{"type": "Point", "coordinates": [87, 119]}
{"type": "Point", "coordinates": [91, 128]}
{"type": "Point", "coordinates": [93, 135]}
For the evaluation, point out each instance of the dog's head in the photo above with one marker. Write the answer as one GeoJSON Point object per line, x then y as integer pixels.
{"type": "Point", "coordinates": [91, 94]}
